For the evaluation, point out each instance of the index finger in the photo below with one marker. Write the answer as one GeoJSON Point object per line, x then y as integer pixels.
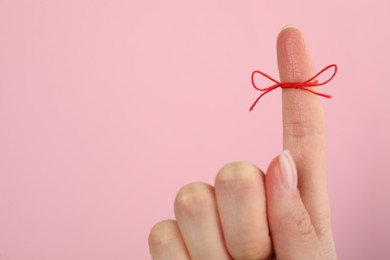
{"type": "Point", "coordinates": [304, 129]}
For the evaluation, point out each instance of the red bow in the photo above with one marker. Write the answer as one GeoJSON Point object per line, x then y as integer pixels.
{"type": "Point", "coordinates": [305, 85]}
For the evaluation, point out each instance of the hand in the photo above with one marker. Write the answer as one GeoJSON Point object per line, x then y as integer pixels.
{"type": "Point", "coordinates": [249, 215]}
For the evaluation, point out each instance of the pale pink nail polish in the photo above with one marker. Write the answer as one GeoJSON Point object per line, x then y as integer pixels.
{"type": "Point", "coordinates": [289, 171]}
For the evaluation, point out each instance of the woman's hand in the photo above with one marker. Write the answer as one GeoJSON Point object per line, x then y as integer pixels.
{"type": "Point", "coordinates": [248, 215]}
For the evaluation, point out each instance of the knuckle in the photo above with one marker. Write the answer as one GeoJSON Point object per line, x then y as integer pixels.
{"type": "Point", "coordinates": [251, 250]}
{"type": "Point", "coordinates": [192, 199]}
{"type": "Point", "coordinates": [240, 172]}
{"type": "Point", "coordinates": [162, 234]}
{"type": "Point", "coordinates": [324, 225]}
{"type": "Point", "coordinates": [301, 224]}
{"type": "Point", "coordinates": [322, 220]}
{"type": "Point", "coordinates": [303, 128]}
{"type": "Point", "coordinates": [322, 229]}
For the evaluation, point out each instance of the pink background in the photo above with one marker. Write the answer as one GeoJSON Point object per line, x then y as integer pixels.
{"type": "Point", "coordinates": [108, 107]}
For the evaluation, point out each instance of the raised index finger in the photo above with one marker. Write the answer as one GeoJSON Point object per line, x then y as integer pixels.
{"type": "Point", "coordinates": [304, 129]}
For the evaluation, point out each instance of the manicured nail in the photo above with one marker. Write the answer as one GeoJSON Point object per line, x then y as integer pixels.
{"type": "Point", "coordinates": [289, 171]}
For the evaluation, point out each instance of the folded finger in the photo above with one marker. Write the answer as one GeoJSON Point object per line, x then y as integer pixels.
{"type": "Point", "coordinates": [166, 242]}
{"type": "Point", "coordinates": [198, 221]}
{"type": "Point", "coordinates": [241, 202]}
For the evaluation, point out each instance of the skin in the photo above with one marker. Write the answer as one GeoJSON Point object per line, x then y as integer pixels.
{"type": "Point", "coordinates": [251, 215]}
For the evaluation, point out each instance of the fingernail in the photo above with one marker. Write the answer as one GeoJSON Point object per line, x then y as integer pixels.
{"type": "Point", "coordinates": [289, 26]}
{"type": "Point", "coordinates": [289, 171]}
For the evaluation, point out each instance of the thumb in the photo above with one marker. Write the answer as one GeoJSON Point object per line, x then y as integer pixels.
{"type": "Point", "coordinates": [292, 232]}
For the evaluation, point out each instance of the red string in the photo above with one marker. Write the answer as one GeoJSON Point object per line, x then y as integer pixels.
{"type": "Point", "coordinates": [305, 85]}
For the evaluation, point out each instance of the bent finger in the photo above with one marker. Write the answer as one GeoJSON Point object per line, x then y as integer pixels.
{"type": "Point", "coordinates": [197, 217]}
{"type": "Point", "coordinates": [166, 242]}
{"type": "Point", "coordinates": [240, 193]}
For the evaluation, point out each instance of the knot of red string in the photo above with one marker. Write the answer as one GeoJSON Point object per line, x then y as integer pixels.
{"type": "Point", "coordinates": [304, 85]}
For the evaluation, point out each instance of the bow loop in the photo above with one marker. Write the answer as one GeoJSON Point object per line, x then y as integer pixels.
{"type": "Point", "coordinates": [305, 85]}
{"type": "Point", "coordinates": [264, 75]}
